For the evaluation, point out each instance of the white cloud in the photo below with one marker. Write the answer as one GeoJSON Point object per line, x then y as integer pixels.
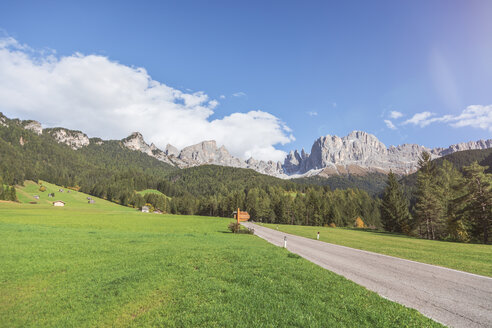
{"type": "Point", "coordinates": [106, 99]}
{"type": "Point", "coordinates": [421, 119]}
{"type": "Point", "coordinates": [239, 94]}
{"type": "Point", "coordinates": [395, 115]}
{"type": "Point", "coordinates": [390, 124]}
{"type": "Point", "coordinates": [475, 116]}
{"type": "Point", "coordinates": [313, 113]}
{"type": "Point", "coordinates": [222, 96]}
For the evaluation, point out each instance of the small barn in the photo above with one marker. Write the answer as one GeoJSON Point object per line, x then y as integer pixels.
{"type": "Point", "coordinates": [145, 209]}
{"type": "Point", "coordinates": [58, 203]}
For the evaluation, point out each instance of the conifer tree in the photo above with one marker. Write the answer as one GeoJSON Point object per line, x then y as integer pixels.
{"type": "Point", "coordinates": [450, 182]}
{"type": "Point", "coordinates": [394, 207]}
{"type": "Point", "coordinates": [428, 208]}
{"type": "Point", "coordinates": [12, 194]}
{"type": "Point", "coordinates": [476, 203]}
{"type": "Point", "coordinates": [2, 192]}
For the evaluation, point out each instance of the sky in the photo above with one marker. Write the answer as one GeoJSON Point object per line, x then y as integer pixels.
{"type": "Point", "coordinates": [260, 77]}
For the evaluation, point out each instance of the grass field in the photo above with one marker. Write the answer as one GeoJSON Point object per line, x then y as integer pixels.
{"type": "Point", "coordinates": [152, 191]}
{"type": "Point", "coordinates": [106, 265]}
{"type": "Point", "coordinates": [73, 199]}
{"type": "Point", "coordinates": [474, 258]}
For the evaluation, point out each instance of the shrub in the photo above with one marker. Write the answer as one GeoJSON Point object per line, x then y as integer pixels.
{"type": "Point", "coordinates": [359, 223]}
{"type": "Point", "coordinates": [234, 227]}
{"type": "Point", "coordinates": [42, 188]}
{"type": "Point", "coordinates": [333, 225]}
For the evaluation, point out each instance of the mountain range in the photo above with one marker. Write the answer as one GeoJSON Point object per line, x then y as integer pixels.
{"type": "Point", "coordinates": [358, 153]}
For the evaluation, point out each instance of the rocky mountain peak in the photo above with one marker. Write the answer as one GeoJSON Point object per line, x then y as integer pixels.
{"type": "Point", "coordinates": [480, 144]}
{"type": "Point", "coordinates": [171, 150]}
{"type": "Point", "coordinates": [33, 126]}
{"type": "Point", "coordinates": [3, 121]}
{"type": "Point", "coordinates": [135, 141]}
{"type": "Point", "coordinates": [136, 135]}
{"type": "Point", "coordinates": [293, 161]}
{"type": "Point", "coordinates": [206, 152]}
{"type": "Point", "coordinates": [72, 138]}
{"type": "Point", "coordinates": [358, 146]}
{"type": "Point", "coordinates": [361, 152]}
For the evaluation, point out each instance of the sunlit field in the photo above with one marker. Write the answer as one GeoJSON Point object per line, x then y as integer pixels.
{"type": "Point", "coordinates": [106, 265]}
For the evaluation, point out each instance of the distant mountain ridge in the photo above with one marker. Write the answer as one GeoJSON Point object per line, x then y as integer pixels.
{"type": "Point", "coordinates": [358, 153]}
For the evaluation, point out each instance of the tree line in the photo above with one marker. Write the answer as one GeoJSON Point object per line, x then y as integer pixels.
{"type": "Point", "coordinates": [447, 204]}
{"type": "Point", "coordinates": [7, 192]}
{"type": "Point", "coordinates": [315, 206]}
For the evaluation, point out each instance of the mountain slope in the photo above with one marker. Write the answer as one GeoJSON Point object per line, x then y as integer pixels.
{"type": "Point", "coordinates": [208, 180]}
{"type": "Point", "coordinates": [372, 183]}
{"type": "Point", "coordinates": [30, 155]}
{"type": "Point", "coordinates": [203, 153]}
{"type": "Point", "coordinates": [72, 198]}
{"type": "Point", "coordinates": [459, 160]}
{"type": "Point", "coordinates": [356, 154]}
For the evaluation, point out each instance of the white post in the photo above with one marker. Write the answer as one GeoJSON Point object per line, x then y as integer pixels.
{"type": "Point", "coordinates": [285, 241]}
{"type": "Point", "coordinates": [318, 236]}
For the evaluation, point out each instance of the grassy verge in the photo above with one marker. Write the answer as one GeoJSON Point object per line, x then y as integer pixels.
{"type": "Point", "coordinates": [474, 258]}
{"type": "Point", "coordinates": [89, 266]}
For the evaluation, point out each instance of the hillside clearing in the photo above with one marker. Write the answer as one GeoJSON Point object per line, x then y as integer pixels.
{"type": "Point", "coordinates": [152, 191]}
{"type": "Point", "coordinates": [72, 198]}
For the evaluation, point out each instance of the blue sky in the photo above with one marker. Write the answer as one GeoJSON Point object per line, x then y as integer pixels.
{"type": "Point", "coordinates": [317, 67]}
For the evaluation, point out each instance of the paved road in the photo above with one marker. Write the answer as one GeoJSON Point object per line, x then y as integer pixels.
{"type": "Point", "coordinates": [454, 298]}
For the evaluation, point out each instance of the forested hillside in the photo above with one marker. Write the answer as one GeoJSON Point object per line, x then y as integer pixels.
{"type": "Point", "coordinates": [111, 171]}
{"type": "Point", "coordinates": [458, 160]}
{"type": "Point", "coordinates": [206, 180]}
{"type": "Point", "coordinates": [372, 183]}
{"type": "Point", "coordinates": [28, 156]}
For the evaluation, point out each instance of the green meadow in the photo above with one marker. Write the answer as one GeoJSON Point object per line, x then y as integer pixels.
{"type": "Point", "coordinates": [152, 191]}
{"type": "Point", "coordinates": [101, 264]}
{"type": "Point", "coordinates": [474, 258]}
{"type": "Point", "coordinates": [72, 198]}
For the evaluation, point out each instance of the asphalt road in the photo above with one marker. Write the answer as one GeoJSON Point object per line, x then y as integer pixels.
{"type": "Point", "coordinates": [454, 298]}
